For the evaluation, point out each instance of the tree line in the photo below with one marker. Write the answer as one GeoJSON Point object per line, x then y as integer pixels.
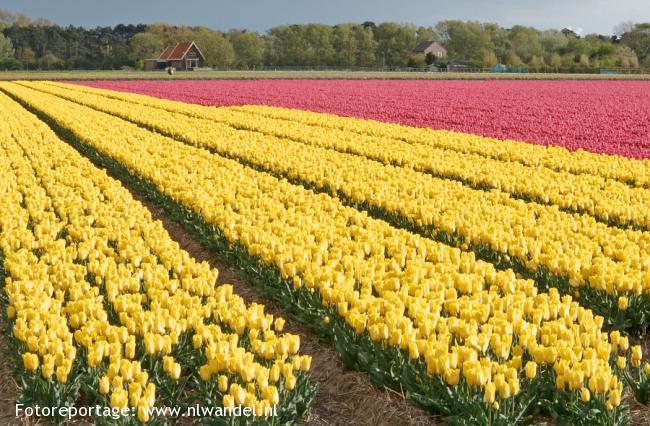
{"type": "Point", "coordinates": [27, 44]}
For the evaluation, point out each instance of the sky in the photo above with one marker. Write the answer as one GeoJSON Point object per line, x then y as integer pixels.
{"type": "Point", "coordinates": [600, 16]}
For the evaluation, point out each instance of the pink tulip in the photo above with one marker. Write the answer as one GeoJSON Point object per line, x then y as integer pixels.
{"type": "Point", "coordinates": [610, 117]}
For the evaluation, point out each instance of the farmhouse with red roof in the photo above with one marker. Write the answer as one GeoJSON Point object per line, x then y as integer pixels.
{"type": "Point", "coordinates": [183, 56]}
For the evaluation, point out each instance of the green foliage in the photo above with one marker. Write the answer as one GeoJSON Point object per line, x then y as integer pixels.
{"type": "Point", "coordinates": [43, 45]}
{"type": "Point", "coordinates": [354, 45]}
{"type": "Point", "coordinates": [6, 48]}
{"type": "Point", "coordinates": [514, 60]}
{"type": "Point", "coordinates": [537, 62]}
{"type": "Point", "coordinates": [525, 42]}
{"type": "Point", "coordinates": [417, 61]}
{"type": "Point", "coordinates": [51, 46]}
{"type": "Point", "coordinates": [552, 41]}
{"type": "Point", "coordinates": [489, 59]}
{"type": "Point", "coordinates": [146, 45]}
{"type": "Point", "coordinates": [215, 46]}
{"type": "Point", "coordinates": [464, 40]}
{"type": "Point", "coordinates": [248, 48]}
{"type": "Point", "coordinates": [426, 34]}
{"type": "Point", "coordinates": [555, 61]}
{"type": "Point", "coordinates": [300, 45]}
{"type": "Point", "coordinates": [366, 45]}
{"type": "Point", "coordinates": [638, 379]}
{"type": "Point", "coordinates": [638, 39]}
{"type": "Point", "coordinates": [394, 43]}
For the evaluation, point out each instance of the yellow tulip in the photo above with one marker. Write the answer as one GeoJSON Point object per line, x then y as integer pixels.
{"type": "Point", "coordinates": [452, 376]}
{"type": "Point", "coordinates": [223, 383]}
{"type": "Point", "coordinates": [61, 374]}
{"type": "Point", "coordinates": [290, 383]}
{"type": "Point", "coordinates": [205, 372]}
{"type": "Point", "coordinates": [143, 414]}
{"type": "Point", "coordinates": [30, 361]}
{"type": "Point", "coordinates": [279, 324]}
{"type": "Point", "coordinates": [104, 385]}
{"type": "Point", "coordinates": [531, 370]}
{"type": "Point", "coordinates": [636, 353]}
{"type": "Point", "coordinates": [228, 402]}
{"type": "Point", "coordinates": [489, 395]}
{"type": "Point", "coordinates": [175, 371]}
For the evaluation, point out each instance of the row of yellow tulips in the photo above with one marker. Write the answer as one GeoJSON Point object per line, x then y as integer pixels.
{"type": "Point", "coordinates": [635, 172]}
{"type": "Point", "coordinates": [575, 246]}
{"type": "Point", "coordinates": [555, 158]}
{"type": "Point", "coordinates": [607, 199]}
{"type": "Point", "coordinates": [74, 242]}
{"type": "Point", "coordinates": [465, 320]}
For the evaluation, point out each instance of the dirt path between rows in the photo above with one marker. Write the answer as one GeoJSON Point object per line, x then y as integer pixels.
{"type": "Point", "coordinates": [344, 397]}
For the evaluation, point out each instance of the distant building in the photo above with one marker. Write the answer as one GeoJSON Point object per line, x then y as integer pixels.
{"type": "Point", "coordinates": [432, 47]}
{"type": "Point", "coordinates": [183, 56]}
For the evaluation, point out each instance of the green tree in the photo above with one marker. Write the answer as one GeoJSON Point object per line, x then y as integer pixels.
{"type": "Point", "coordinates": [366, 45]}
{"type": "Point", "coordinates": [646, 63]}
{"type": "Point", "coordinates": [6, 48]}
{"type": "Point", "coordinates": [300, 45]}
{"type": "Point", "coordinates": [568, 61]}
{"type": "Point", "coordinates": [464, 40]}
{"type": "Point", "coordinates": [28, 57]}
{"type": "Point", "coordinates": [320, 50]}
{"type": "Point", "coordinates": [283, 46]}
{"type": "Point", "coordinates": [514, 60]}
{"type": "Point", "coordinates": [489, 59]}
{"type": "Point", "coordinates": [345, 45]}
{"type": "Point", "coordinates": [170, 34]}
{"type": "Point", "coordinates": [248, 48]}
{"type": "Point", "coordinates": [638, 39]}
{"type": "Point", "coordinates": [577, 46]}
{"type": "Point", "coordinates": [555, 61]}
{"type": "Point", "coordinates": [425, 34]}
{"type": "Point", "coordinates": [215, 47]}
{"type": "Point", "coordinates": [146, 45]}
{"type": "Point", "coordinates": [553, 41]}
{"type": "Point", "coordinates": [525, 42]}
{"type": "Point", "coordinates": [394, 43]}
{"type": "Point", "coordinates": [625, 57]}
{"type": "Point", "coordinates": [499, 40]}
{"type": "Point", "coordinates": [51, 61]}
{"type": "Point", "coordinates": [417, 61]}
{"type": "Point", "coordinates": [537, 62]}
{"type": "Point", "coordinates": [354, 45]}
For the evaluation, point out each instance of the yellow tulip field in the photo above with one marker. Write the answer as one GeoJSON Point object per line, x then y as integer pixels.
{"type": "Point", "coordinates": [492, 282]}
{"type": "Point", "coordinates": [101, 300]}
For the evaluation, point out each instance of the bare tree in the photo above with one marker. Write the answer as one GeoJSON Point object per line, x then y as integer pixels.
{"type": "Point", "coordinates": [624, 27]}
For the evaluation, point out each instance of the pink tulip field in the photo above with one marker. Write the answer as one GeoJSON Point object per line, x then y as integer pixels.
{"type": "Point", "coordinates": [610, 117]}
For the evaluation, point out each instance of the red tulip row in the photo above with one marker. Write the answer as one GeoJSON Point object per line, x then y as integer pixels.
{"type": "Point", "coordinates": [610, 117]}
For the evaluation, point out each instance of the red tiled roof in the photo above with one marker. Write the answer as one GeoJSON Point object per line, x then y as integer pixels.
{"type": "Point", "coordinates": [175, 53]}
{"type": "Point", "coordinates": [166, 52]}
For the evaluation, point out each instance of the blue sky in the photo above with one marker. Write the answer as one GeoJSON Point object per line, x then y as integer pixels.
{"type": "Point", "coordinates": [589, 15]}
